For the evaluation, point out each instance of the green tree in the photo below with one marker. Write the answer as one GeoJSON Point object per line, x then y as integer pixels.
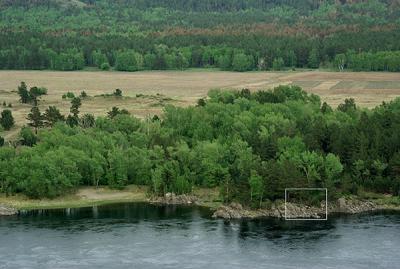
{"type": "Point", "coordinates": [256, 187]}
{"type": "Point", "coordinates": [99, 59]}
{"type": "Point", "coordinates": [225, 62]}
{"type": "Point", "coordinates": [313, 58]}
{"type": "Point", "coordinates": [87, 121]}
{"type": "Point", "coordinates": [83, 94]}
{"type": "Point", "coordinates": [325, 108]}
{"type": "Point", "coordinates": [75, 105]}
{"type": "Point", "coordinates": [115, 111]}
{"type": "Point", "coordinates": [36, 118]}
{"type": "Point", "coordinates": [127, 61]}
{"type": "Point", "coordinates": [157, 182]}
{"type": "Point", "coordinates": [36, 92]}
{"type": "Point", "coordinates": [105, 66]}
{"type": "Point", "coordinates": [278, 64]}
{"type": "Point", "coordinates": [117, 93]}
{"type": "Point", "coordinates": [72, 120]}
{"type": "Point", "coordinates": [333, 168]}
{"type": "Point", "coordinates": [242, 62]}
{"type": "Point", "coordinates": [6, 119]}
{"type": "Point", "coordinates": [27, 137]}
{"type": "Point", "coordinates": [117, 172]}
{"type": "Point", "coordinates": [24, 93]}
{"type": "Point", "coordinates": [291, 59]}
{"type": "Point", "coordinates": [349, 106]}
{"type": "Point", "coordinates": [340, 61]}
{"type": "Point", "coordinates": [52, 115]}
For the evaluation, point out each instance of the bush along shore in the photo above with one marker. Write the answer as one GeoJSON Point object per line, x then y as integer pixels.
{"type": "Point", "coordinates": [247, 146]}
{"type": "Point", "coordinates": [234, 210]}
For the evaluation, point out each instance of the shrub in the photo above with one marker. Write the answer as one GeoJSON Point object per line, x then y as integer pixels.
{"type": "Point", "coordinates": [105, 66]}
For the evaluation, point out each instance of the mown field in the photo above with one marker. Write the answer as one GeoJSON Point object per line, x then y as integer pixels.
{"type": "Point", "coordinates": [146, 93]}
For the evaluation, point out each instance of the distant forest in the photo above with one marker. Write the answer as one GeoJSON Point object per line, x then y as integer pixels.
{"type": "Point", "coordinates": [239, 35]}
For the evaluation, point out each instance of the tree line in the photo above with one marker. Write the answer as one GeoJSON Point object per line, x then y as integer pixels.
{"type": "Point", "coordinates": [368, 61]}
{"type": "Point", "coordinates": [224, 58]}
{"type": "Point", "coordinates": [251, 145]}
{"type": "Point", "coordinates": [235, 35]}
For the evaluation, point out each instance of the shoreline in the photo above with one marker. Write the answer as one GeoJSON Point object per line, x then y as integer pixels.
{"type": "Point", "coordinates": [91, 196]}
{"type": "Point", "coordinates": [350, 205]}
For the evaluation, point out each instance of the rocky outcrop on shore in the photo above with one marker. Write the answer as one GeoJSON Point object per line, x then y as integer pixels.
{"type": "Point", "coordinates": [294, 211]}
{"type": "Point", "coordinates": [7, 210]}
{"type": "Point", "coordinates": [353, 206]}
{"type": "Point", "coordinates": [298, 211]}
{"type": "Point", "coordinates": [236, 211]}
{"type": "Point", "coordinates": [173, 199]}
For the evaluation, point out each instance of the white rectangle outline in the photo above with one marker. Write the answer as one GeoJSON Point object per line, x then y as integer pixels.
{"type": "Point", "coordinates": [308, 189]}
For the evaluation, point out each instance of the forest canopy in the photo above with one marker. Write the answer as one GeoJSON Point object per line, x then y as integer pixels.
{"type": "Point", "coordinates": [237, 35]}
{"type": "Point", "coordinates": [251, 145]}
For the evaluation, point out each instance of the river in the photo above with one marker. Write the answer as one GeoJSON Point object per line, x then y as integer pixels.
{"type": "Point", "coordinates": [139, 235]}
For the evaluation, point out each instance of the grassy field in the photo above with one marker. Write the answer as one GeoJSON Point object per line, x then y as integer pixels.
{"type": "Point", "coordinates": [86, 196]}
{"type": "Point", "coordinates": [91, 196]}
{"type": "Point", "coordinates": [183, 88]}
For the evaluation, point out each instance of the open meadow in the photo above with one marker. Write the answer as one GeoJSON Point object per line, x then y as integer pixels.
{"type": "Point", "coordinates": [145, 93]}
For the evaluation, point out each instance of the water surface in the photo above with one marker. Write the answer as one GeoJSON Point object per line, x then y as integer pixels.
{"type": "Point", "coordinates": [148, 236]}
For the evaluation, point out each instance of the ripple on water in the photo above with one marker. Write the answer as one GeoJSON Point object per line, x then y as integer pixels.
{"type": "Point", "coordinates": [144, 236]}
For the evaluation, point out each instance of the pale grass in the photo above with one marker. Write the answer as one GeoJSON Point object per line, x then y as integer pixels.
{"type": "Point", "coordinates": [85, 196]}
{"type": "Point", "coordinates": [185, 88]}
{"type": "Point", "coordinates": [92, 196]}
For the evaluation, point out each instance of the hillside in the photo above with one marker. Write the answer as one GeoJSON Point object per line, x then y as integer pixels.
{"type": "Point", "coordinates": [238, 35]}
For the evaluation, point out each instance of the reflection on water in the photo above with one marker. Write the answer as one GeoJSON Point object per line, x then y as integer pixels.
{"type": "Point", "coordinates": [149, 236]}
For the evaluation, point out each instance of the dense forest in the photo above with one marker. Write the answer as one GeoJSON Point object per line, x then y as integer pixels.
{"type": "Point", "coordinates": [239, 35]}
{"type": "Point", "coordinates": [250, 145]}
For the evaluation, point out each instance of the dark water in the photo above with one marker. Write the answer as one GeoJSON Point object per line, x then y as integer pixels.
{"type": "Point", "coordinates": [146, 236]}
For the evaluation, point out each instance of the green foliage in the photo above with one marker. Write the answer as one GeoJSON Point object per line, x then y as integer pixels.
{"type": "Point", "coordinates": [256, 187]}
{"type": "Point", "coordinates": [105, 66]}
{"type": "Point", "coordinates": [369, 61]}
{"type": "Point", "coordinates": [340, 61]}
{"type": "Point", "coordinates": [6, 119]}
{"type": "Point", "coordinates": [50, 175]}
{"type": "Point", "coordinates": [24, 93]}
{"type": "Point", "coordinates": [83, 94]}
{"type": "Point", "coordinates": [117, 93]}
{"type": "Point", "coordinates": [100, 60]}
{"type": "Point", "coordinates": [278, 64]}
{"type": "Point", "coordinates": [115, 111]}
{"type": "Point", "coordinates": [127, 61]}
{"type": "Point", "coordinates": [117, 170]}
{"type": "Point", "coordinates": [232, 35]}
{"type": "Point", "coordinates": [32, 95]}
{"type": "Point", "coordinates": [313, 58]}
{"type": "Point", "coordinates": [224, 62]}
{"type": "Point", "coordinates": [349, 106]}
{"type": "Point", "coordinates": [75, 105]}
{"type": "Point", "coordinates": [69, 95]}
{"type": "Point", "coordinates": [71, 59]}
{"type": "Point", "coordinates": [72, 120]}
{"type": "Point", "coordinates": [27, 137]}
{"type": "Point", "coordinates": [52, 115]}
{"type": "Point", "coordinates": [87, 121]}
{"type": "Point", "coordinates": [251, 145]}
{"type": "Point", "coordinates": [36, 119]}
{"type": "Point", "coordinates": [242, 62]}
